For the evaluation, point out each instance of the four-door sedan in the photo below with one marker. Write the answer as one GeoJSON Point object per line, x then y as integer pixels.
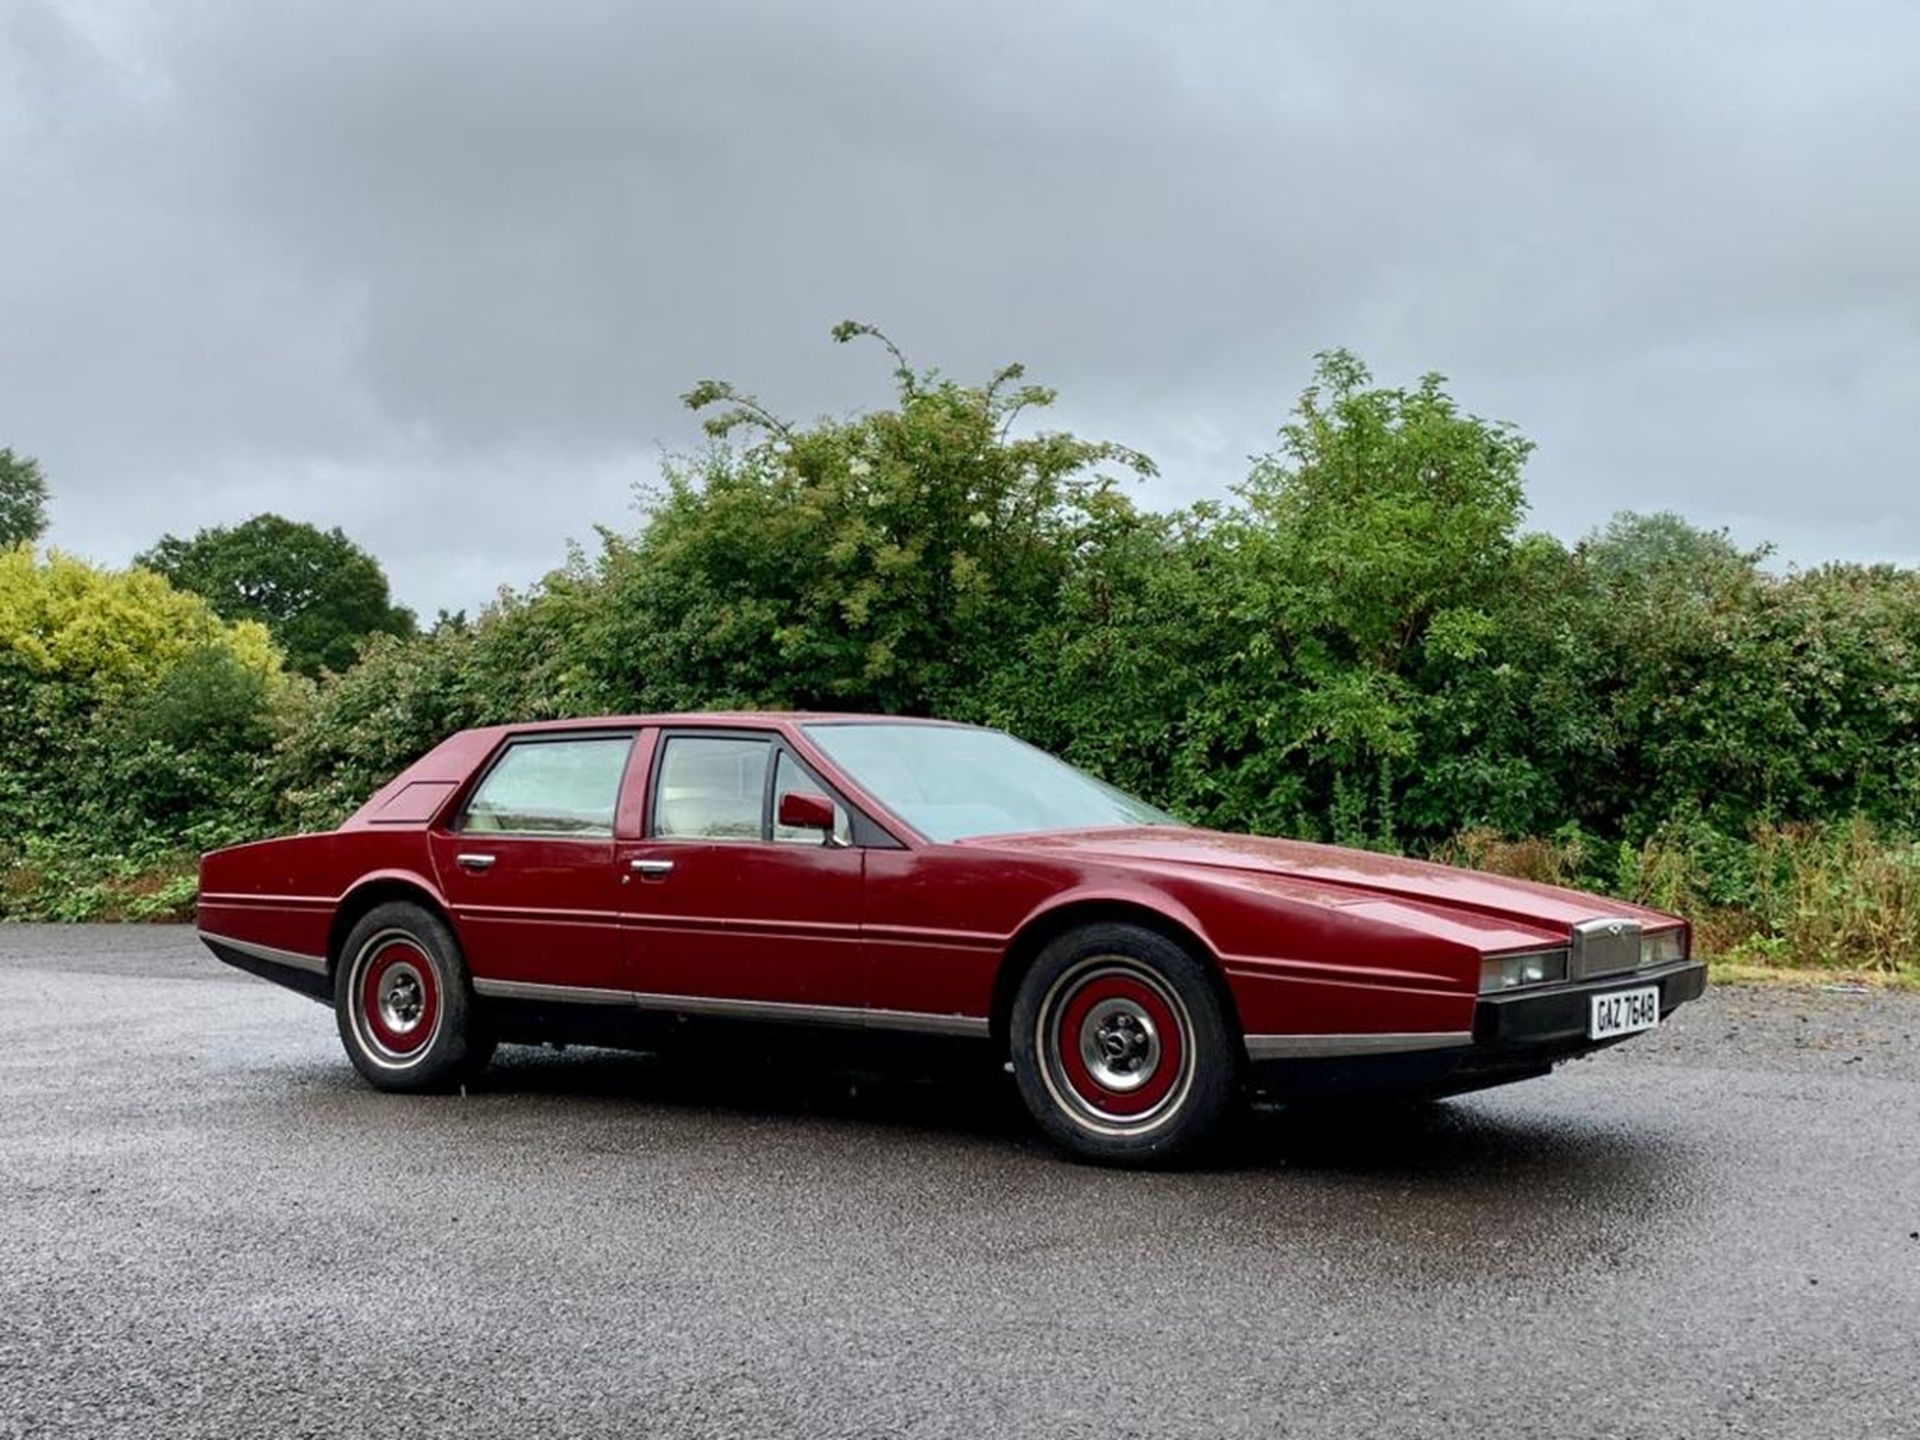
{"type": "Point", "coordinates": [576, 880]}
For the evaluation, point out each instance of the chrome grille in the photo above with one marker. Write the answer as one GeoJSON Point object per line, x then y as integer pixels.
{"type": "Point", "coordinates": [1603, 947]}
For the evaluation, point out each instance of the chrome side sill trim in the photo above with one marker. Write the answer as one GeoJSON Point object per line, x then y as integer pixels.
{"type": "Point", "coordinates": [294, 959]}
{"type": "Point", "coordinates": [1314, 1047]}
{"type": "Point", "coordinates": [926, 1023]}
{"type": "Point", "coordinates": [854, 1016]}
{"type": "Point", "coordinates": [533, 990]}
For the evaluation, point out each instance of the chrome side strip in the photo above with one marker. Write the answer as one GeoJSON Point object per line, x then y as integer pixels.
{"type": "Point", "coordinates": [850, 1015]}
{"type": "Point", "coordinates": [926, 1023]}
{"type": "Point", "coordinates": [854, 1016]}
{"type": "Point", "coordinates": [1314, 1047]}
{"type": "Point", "coordinates": [294, 959]}
{"type": "Point", "coordinates": [533, 990]}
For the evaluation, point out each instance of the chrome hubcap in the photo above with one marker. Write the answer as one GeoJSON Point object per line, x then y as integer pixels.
{"type": "Point", "coordinates": [1119, 1045]}
{"type": "Point", "coordinates": [402, 998]}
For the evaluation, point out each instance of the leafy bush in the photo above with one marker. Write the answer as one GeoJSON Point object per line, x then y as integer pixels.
{"type": "Point", "coordinates": [136, 723]}
{"type": "Point", "coordinates": [1843, 895]}
{"type": "Point", "coordinates": [884, 562]}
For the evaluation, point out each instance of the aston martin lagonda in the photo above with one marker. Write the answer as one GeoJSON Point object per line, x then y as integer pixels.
{"type": "Point", "coordinates": [600, 879]}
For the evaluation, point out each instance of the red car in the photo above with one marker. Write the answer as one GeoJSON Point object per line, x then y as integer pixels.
{"type": "Point", "coordinates": [581, 879]}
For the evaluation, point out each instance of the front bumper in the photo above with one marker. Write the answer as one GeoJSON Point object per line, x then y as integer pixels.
{"type": "Point", "coordinates": [1556, 1015]}
{"type": "Point", "coordinates": [1515, 1037]}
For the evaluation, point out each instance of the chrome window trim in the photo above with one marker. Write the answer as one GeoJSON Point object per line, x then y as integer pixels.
{"type": "Point", "coordinates": [1314, 1047]}
{"type": "Point", "coordinates": [293, 959]}
{"type": "Point", "coordinates": [487, 837]}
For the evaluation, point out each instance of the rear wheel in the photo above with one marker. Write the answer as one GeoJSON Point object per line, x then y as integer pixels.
{"type": "Point", "coordinates": [1121, 1046]}
{"type": "Point", "coordinates": [405, 1004]}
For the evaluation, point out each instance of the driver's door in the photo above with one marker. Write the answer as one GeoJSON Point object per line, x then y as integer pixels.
{"type": "Point", "coordinates": [726, 905]}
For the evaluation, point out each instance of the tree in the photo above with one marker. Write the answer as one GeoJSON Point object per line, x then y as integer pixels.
{"type": "Point", "coordinates": [888, 561]}
{"type": "Point", "coordinates": [1359, 576]}
{"type": "Point", "coordinates": [319, 594]}
{"type": "Point", "coordinates": [23, 500]}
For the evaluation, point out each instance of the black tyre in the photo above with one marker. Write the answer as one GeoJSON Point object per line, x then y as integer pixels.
{"type": "Point", "coordinates": [1122, 1046]}
{"type": "Point", "coordinates": [405, 1004]}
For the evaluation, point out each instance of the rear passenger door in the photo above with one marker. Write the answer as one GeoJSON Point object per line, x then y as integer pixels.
{"type": "Point", "coordinates": [529, 867]}
{"type": "Point", "coordinates": [725, 904]}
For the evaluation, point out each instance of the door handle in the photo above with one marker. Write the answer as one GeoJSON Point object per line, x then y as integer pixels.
{"type": "Point", "coordinates": [651, 869]}
{"type": "Point", "coordinates": [474, 862]}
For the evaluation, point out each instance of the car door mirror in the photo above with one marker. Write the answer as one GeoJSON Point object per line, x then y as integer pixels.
{"type": "Point", "coordinates": [801, 811]}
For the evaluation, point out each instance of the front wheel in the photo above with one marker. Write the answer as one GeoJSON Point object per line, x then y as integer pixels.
{"type": "Point", "coordinates": [404, 1003]}
{"type": "Point", "coordinates": [1121, 1046]}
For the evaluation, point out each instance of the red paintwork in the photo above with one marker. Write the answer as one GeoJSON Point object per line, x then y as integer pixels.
{"type": "Point", "coordinates": [1311, 939]}
{"type": "Point", "coordinates": [748, 922]}
{"type": "Point", "coordinates": [549, 910]}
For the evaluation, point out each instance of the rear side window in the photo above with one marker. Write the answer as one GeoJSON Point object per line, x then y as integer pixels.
{"type": "Point", "coordinates": [551, 787]}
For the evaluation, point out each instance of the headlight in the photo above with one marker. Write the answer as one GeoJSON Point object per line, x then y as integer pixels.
{"type": "Point", "coordinates": [1509, 972]}
{"type": "Point", "coordinates": [1663, 947]}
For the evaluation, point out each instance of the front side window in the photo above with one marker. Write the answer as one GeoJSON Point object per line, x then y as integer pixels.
{"type": "Point", "coordinates": [710, 788]}
{"type": "Point", "coordinates": [551, 787]}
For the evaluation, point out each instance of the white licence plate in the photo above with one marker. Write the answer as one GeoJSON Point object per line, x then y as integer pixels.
{"type": "Point", "coordinates": [1622, 1012]}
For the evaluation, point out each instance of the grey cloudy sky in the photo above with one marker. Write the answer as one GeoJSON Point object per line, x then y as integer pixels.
{"type": "Point", "coordinates": [436, 272]}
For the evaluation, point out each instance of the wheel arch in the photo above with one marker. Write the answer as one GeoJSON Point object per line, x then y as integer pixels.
{"type": "Point", "coordinates": [375, 890]}
{"type": "Point", "coordinates": [1042, 929]}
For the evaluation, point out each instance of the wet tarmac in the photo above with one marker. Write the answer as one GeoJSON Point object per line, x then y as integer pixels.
{"type": "Point", "coordinates": [210, 1226]}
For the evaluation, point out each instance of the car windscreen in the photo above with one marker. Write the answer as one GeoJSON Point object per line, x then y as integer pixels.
{"type": "Point", "coordinates": [951, 782]}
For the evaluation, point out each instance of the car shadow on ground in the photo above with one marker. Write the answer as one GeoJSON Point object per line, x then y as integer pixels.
{"type": "Point", "coordinates": [946, 1092]}
{"type": "Point", "coordinates": [931, 1092]}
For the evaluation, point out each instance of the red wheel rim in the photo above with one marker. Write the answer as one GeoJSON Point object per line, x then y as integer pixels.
{"type": "Point", "coordinates": [1116, 1045]}
{"type": "Point", "coordinates": [398, 997]}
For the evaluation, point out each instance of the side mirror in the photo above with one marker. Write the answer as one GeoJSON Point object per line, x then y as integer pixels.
{"type": "Point", "coordinates": [802, 811]}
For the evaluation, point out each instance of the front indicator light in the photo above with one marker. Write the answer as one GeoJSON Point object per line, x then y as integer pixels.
{"type": "Point", "coordinates": [1511, 972]}
{"type": "Point", "coordinates": [1663, 947]}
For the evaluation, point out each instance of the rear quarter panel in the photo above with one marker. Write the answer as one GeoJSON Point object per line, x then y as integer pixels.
{"type": "Point", "coordinates": [284, 892]}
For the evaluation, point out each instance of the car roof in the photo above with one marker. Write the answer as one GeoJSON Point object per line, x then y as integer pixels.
{"type": "Point", "coordinates": [755, 718]}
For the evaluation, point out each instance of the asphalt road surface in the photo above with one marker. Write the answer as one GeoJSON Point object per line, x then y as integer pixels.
{"type": "Point", "coordinates": [210, 1226]}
